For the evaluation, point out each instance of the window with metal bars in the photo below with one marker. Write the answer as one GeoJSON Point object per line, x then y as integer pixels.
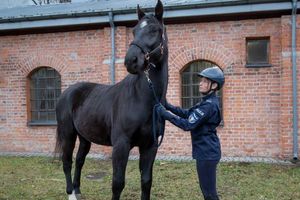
{"type": "Point", "coordinates": [45, 89]}
{"type": "Point", "coordinates": [190, 94]}
{"type": "Point", "coordinates": [258, 52]}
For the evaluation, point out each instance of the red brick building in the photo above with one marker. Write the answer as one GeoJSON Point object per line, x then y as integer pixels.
{"type": "Point", "coordinates": [250, 40]}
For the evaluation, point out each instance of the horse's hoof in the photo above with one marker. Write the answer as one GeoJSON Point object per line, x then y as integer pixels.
{"type": "Point", "coordinates": [73, 196]}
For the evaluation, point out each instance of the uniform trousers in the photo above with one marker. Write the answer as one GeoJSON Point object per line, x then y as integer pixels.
{"type": "Point", "coordinates": [207, 170]}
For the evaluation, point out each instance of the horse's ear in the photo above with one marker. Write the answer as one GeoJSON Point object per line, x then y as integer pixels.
{"type": "Point", "coordinates": [140, 13]}
{"type": "Point", "coordinates": [159, 10]}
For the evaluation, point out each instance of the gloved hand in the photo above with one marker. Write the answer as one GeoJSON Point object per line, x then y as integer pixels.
{"type": "Point", "coordinates": [161, 109]}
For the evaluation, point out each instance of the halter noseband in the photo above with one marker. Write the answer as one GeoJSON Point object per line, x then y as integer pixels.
{"type": "Point", "coordinates": [148, 55]}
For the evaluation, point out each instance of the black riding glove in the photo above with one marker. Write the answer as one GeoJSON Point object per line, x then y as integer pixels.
{"type": "Point", "coordinates": [161, 110]}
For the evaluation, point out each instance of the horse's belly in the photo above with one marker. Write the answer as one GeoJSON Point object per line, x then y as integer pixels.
{"type": "Point", "coordinates": [95, 134]}
{"type": "Point", "coordinates": [101, 140]}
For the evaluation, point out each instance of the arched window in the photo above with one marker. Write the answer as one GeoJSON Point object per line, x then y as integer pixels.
{"type": "Point", "coordinates": [45, 89]}
{"type": "Point", "coordinates": [190, 84]}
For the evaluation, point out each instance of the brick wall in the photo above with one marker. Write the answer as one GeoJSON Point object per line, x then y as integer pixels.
{"type": "Point", "coordinates": [257, 102]}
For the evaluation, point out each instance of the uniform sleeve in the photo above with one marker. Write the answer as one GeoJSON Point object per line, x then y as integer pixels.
{"type": "Point", "coordinates": [184, 113]}
{"type": "Point", "coordinates": [197, 117]}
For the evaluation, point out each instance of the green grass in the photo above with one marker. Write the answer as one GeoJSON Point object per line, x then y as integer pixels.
{"type": "Point", "coordinates": [40, 178]}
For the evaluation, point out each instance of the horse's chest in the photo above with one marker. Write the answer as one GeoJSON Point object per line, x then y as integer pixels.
{"type": "Point", "coordinates": [145, 131]}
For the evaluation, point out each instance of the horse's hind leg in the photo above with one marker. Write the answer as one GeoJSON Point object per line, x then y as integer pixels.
{"type": "Point", "coordinates": [68, 144]}
{"type": "Point", "coordinates": [147, 157]}
{"type": "Point", "coordinates": [84, 148]}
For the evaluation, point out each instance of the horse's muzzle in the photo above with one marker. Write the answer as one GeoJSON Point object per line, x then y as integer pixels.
{"type": "Point", "coordinates": [131, 64]}
{"type": "Point", "coordinates": [134, 60]}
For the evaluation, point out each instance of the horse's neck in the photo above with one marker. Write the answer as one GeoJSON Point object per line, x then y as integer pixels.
{"type": "Point", "coordinates": [159, 79]}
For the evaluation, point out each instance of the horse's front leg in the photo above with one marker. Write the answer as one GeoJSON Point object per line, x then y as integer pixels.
{"type": "Point", "coordinates": [120, 154]}
{"type": "Point", "coordinates": [147, 157]}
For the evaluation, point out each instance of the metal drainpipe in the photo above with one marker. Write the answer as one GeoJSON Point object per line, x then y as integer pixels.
{"type": "Point", "coordinates": [295, 106]}
{"type": "Point", "coordinates": [113, 59]}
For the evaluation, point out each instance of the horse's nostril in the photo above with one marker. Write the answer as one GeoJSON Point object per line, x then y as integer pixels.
{"type": "Point", "coordinates": [134, 59]}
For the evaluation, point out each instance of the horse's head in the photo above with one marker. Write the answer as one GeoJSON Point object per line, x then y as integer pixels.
{"type": "Point", "coordinates": [148, 43]}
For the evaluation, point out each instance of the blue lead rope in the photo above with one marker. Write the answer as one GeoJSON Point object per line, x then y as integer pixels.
{"type": "Point", "coordinates": [156, 118]}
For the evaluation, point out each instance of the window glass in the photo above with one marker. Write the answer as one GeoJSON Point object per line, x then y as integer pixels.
{"type": "Point", "coordinates": [257, 51]}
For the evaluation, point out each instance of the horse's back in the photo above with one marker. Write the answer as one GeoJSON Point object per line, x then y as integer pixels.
{"type": "Point", "coordinates": [73, 97]}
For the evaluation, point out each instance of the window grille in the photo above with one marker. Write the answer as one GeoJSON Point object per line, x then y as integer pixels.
{"type": "Point", "coordinates": [45, 89]}
{"type": "Point", "coordinates": [190, 94]}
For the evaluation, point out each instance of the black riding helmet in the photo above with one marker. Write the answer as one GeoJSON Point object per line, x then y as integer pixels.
{"type": "Point", "coordinates": [214, 74]}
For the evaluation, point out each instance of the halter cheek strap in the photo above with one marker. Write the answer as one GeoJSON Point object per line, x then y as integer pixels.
{"type": "Point", "coordinates": [148, 55]}
{"type": "Point", "coordinates": [159, 48]}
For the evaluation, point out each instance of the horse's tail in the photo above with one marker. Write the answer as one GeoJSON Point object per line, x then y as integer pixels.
{"type": "Point", "coordinates": [59, 144]}
{"type": "Point", "coordinates": [64, 124]}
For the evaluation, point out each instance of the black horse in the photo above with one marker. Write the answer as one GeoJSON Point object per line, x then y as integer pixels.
{"type": "Point", "coordinates": [120, 115]}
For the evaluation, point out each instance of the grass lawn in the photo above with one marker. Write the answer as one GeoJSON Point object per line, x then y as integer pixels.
{"type": "Point", "coordinates": [39, 178]}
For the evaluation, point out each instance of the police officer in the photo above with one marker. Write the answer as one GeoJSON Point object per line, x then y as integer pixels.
{"type": "Point", "coordinates": [202, 120]}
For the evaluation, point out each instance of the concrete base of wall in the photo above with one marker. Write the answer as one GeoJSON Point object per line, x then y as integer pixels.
{"type": "Point", "coordinates": [166, 158]}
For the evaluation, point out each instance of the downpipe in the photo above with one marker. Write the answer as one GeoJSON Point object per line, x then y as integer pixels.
{"type": "Point", "coordinates": [294, 66]}
{"type": "Point", "coordinates": [113, 58]}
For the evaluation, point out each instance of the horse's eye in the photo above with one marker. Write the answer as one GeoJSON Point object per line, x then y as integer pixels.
{"type": "Point", "coordinates": [153, 31]}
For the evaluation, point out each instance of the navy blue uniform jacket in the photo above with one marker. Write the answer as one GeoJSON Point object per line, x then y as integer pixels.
{"type": "Point", "coordinates": [202, 120]}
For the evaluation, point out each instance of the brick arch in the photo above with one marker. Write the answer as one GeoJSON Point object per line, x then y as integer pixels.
{"type": "Point", "coordinates": [28, 64]}
{"type": "Point", "coordinates": [209, 51]}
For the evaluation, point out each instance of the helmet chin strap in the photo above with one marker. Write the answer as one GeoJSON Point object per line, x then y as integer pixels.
{"type": "Point", "coordinates": [210, 89]}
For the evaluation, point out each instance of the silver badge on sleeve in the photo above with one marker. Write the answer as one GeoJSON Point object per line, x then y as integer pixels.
{"type": "Point", "coordinates": [200, 112]}
{"type": "Point", "coordinates": [193, 118]}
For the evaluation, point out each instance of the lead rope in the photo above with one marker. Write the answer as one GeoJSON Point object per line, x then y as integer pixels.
{"type": "Point", "coordinates": [155, 114]}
